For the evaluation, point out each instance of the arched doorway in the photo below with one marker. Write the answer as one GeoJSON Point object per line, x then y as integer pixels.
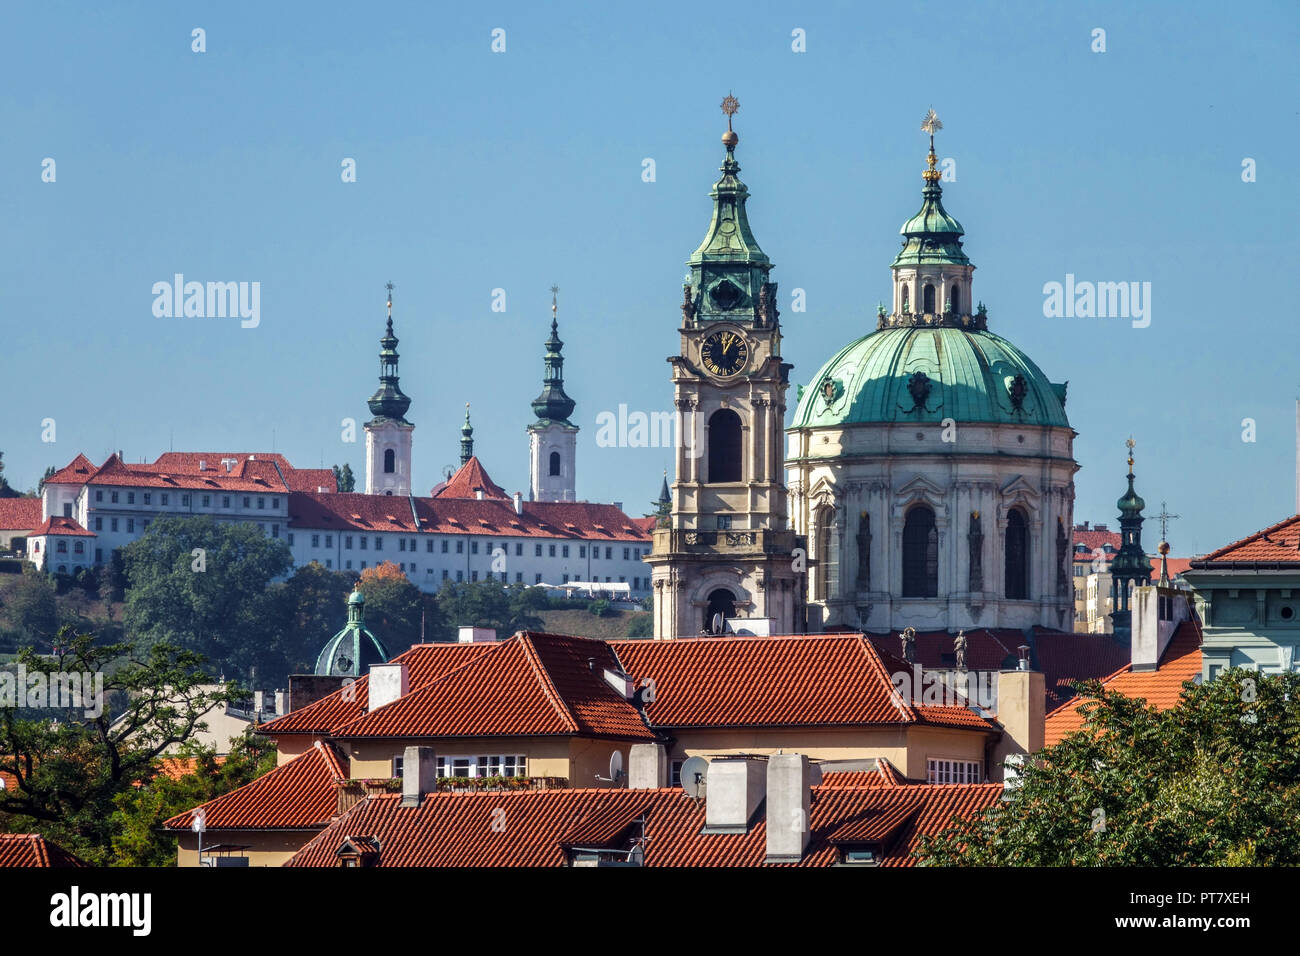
{"type": "Point", "coordinates": [721, 602]}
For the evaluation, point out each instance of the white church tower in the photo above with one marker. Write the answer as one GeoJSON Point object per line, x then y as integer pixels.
{"type": "Point", "coordinates": [553, 439]}
{"type": "Point", "coordinates": [388, 434]}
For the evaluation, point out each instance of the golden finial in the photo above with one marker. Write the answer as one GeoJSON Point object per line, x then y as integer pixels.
{"type": "Point", "coordinates": [930, 125]}
{"type": "Point", "coordinates": [730, 106]}
{"type": "Point", "coordinates": [555, 295]}
{"type": "Point", "coordinates": [389, 287]}
{"type": "Point", "coordinates": [1131, 445]}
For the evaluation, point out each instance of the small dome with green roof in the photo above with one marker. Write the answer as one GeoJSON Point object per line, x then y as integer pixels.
{"type": "Point", "coordinates": [352, 651]}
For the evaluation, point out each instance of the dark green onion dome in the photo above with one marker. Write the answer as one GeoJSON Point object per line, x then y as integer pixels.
{"type": "Point", "coordinates": [553, 405]}
{"type": "Point", "coordinates": [352, 651]}
{"type": "Point", "coordinates": [466, 439]}
{"type": "Point", "coordinates": [389, 402]}
{"type": "Point", "coordinates": [1131, 562]}
{"type": "Point", "coordinates": [931, 236]}
{"type": "Point", "coordinates": [924, 374]}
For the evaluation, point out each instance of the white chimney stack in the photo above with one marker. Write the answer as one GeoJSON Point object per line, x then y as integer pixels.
{"type": "Point", "coordinates": [473, 635]}
{"type": "Point", "coordinates": [647, 767]}
{"type": "Point", "coordinates": [735, 791]}
{"type": "Point", "coordinates": [281, 703]}
{"type": "Point", "coordinates": [519, 500]}
{"type": "Point", "coordinates": [388, 682]}
{"type": "Point", "coordinates": [789, 801]}
{"type": "Point", "coordinates": [419, 774]}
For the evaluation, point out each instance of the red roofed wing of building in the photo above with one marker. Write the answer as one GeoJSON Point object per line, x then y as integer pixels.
{"type": "Point", "coordinates": [33, 850]}
{"type": "Point", "coordinates": [468, 480]}
{"type": "Point", "coordinates": [1276, 544]}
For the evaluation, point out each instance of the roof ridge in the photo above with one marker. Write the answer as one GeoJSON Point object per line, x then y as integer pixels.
{"type": "Point", "coordinates": [1249, 538]}
{"type": "Point", "coordinates": [553, 693]}
{"type": "Point", "coordinates": [874, 662]}
{"type": "Point", "coordinates": [188, 815]}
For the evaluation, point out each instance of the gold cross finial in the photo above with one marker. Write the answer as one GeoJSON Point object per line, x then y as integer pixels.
{"type": "Point", "coordinates": [730, 106]}
{"type": "Point", "coordinates": [555, 295]}
{"type": "Point", "coordinates": [389, 287]}
{"type": "Point", "coordinates": [1131, 445]}
{"type": "Point", "coordinates": [930, 125]}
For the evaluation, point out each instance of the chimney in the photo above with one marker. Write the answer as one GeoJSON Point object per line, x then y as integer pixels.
{"type": "Point", "coordinates": [789, 801]}
{"type": "Point", "coordinates": [735, 791]}
{"type": "Point", "coordinates": [647, 767]}
{"type": "Point", "coordinates": [281, 703]}
{"type": "Point", "coordinates": [388, 682]}
{"type": "Point", "coordinates": [1022, 707]}
{"type": "Point", "coordinates": [257, 702]}
{"type": "Point", "coordinates": [623, 684]}
{"type": "Point", "coordinates": [519, 502]}
{"type": "Point", "coordinates": [1156, 614]}
{"type": "Point", "coordinates": [473, 635]}
{"type": "Point", "coordinates": [419, 774]}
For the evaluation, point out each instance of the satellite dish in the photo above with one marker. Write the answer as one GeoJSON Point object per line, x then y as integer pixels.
{"type": "Point", "coordinates": [199, 824]}
{"type": "Point", "coordinates": [637, 856]}
{"type": "Point", "coordinates": [615, 764]}
{"type": "Point", "coordinates": [694, 777]}
{"type": "Point", "coordinates": [717, 622]}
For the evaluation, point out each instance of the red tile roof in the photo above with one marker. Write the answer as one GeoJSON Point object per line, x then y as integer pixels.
{"type": "Point", "coordinates": [66, 527]}
{"type": "Point", "coordinates": [75, 473]}
{"type": "Point", "coordinates": [247, 476]}
{"type": "Point", "coordinates": [33, 850]}
{"type": "Point", "coordinates": [425, 663]}
{"type": "Point", "coordinates": [1276, 544]}
{"type": "Point", "coordinates": [468, 480]}
{"type": "Point", "coordinates": [352, 511]}
{"type": "Point", "coordinates": [19, 514]}
{"type": "Point", "coordinates": [1093, 540]}
{"type": "Point", "coordinates": [529, 685]}
{"type": "Point", "coordinates": [246, 464]}
{"type": "Point", "coordinates": [1161, 688]}
{"type": "Point", "coordinates": [801, 680]}
{"type": "Point", "coordinates": [464, 829]}
{"type": "Point", "coordinates": [298, 795]}
{"type": "Point", "coordinates": [1065, 657]}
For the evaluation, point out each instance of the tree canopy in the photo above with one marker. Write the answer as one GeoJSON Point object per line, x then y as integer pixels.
{"type": "Point", "coordinates": [1214, 781]}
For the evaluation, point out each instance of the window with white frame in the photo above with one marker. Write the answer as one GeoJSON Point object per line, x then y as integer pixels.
{"type": "Point", "coordinates": [954, 771]}
{"type": "Point", "coordinates": [491, 765]}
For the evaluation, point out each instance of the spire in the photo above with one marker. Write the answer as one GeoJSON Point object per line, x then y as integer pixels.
{"type": "Point", "coordinates": [1130, 566]}
{"type": "Point", "coordinates": [389, 401]}
{"type": "Point", "coordinates": [466, 439]}
{"type": "Point", "coordinates": [553, 405]}
{"type": "Point", "coordinates": [728, 272]}
{"type": "Point", "coordinates": [931, 236]}
{"type": "Point", "coordinates": [1164, 517]}
{"type": "Point", "coordinates": [664, 506]}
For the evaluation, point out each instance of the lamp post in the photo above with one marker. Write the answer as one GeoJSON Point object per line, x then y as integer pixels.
{"type": "Point", "coordinates": [199, 824]}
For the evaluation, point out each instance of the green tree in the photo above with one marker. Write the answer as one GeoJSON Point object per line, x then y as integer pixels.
{"type": "Point", "coordinates": [139, 812]}
{"type": "Point", "coordinates": [313, 608]}
{"type": "Point", "coordinates": [32, 610]}
{"type": "Point", "coordinates": [599, 607]}
{"type": "Point", "coordinates": [1214, 781]}
{"type": "Point", "coordinates": [394, 608]}
{"type": "Point", "coordinates": [491, 604]}
{"type": "Point", "coordinates": [641, 625]}
{"type": "Point", "coordinates": [68, 771]}
{"type": "Point", "coordinates": [205, 586]}
{"type": "Point", "coordinates": [49, 473]}
{"type": "Point", "coordinates": [344, 478]}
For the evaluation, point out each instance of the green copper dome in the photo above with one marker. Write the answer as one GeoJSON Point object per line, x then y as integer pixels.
{"type": "Point", "coordinates": [927, 374]}
{"type": "Point", "coordinates": [351, 651]}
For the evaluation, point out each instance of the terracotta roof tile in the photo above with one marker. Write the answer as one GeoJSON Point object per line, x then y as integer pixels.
{"type": "Point", "coordinates": [66, 527]}
{"type": "Point", "coordinates": [19, 514]}
{"type": "Point", "coordinates": [1065, 657]}
{"type": "Point", "coordinates": [75, 472]}
{"type": "Point", "coordinates": [1276, 544]}
{"type": "Point", "coordinates": [531, 684]}
{"type": "Point", "coordinates": [457, 829]}
{"type": "Point", "coordinates": [801, 680]}
{"type": "Point", "coordinates": [468, 480]}
{"type": "Point", "coordinates": [1162, 688]}
{"type": "Point", "coordinates": [298, 795]}
{"type": "Point", "coordinates": [425, 663]}
{"type": "Point", "coordinates": [33, 850]}
{"type": "Point", "coordinates": [986, 650]}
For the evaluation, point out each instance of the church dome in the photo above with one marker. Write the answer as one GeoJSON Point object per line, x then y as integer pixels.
{"type": "Point", "coordinates": [352, 651]}
{"type": "Point", "coordinates": [922, 374]}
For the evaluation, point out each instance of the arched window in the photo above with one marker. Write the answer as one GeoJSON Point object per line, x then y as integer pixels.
{"type": "Point", "coordinates": [827, 576]}
{"type": "Point", "coordinates": [1017, 556]}
{"type": "Point", "coordinates": [955, 298]}
{"type": "Point", "coordinates": [390, 461]}
{"type": "Point", "coordinates": [929, 299]}
{"type": "Point", "coordinates": [724, 446]}
{"type": "Point", "coordinates": [907, 298]}
{"type": "Point", "coordinates": [721, 602]}
{"type": "Point", "coordinates": [555, 463]}
{"type": "Point", "coordinates": [920, 554]}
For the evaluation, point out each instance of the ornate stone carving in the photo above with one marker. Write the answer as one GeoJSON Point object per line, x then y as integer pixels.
{"type": "Point", "coordinates": [1062, 547]}
{"type": "Point", "coordinates": [737, 538]}
{"type": "Point", "coordinates": [975, 541]}
{"type": "Point", "coordinates": [959, 650]}
{"type": "Point", "coordinates": [918, 386]}
{"type": "Point", "coordinates": [908, 639]}
{"type": "Point", "coordinates": [864, 552]}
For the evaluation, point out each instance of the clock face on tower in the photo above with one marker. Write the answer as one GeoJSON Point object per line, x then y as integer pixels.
{"type": "Point", "coordinates": [725, 353]}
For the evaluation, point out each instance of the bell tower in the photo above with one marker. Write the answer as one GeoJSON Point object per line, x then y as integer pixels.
{"type": "Point", "coordinates": [726, 550]}
{"type": "Point", "coordinates": [388, 434]}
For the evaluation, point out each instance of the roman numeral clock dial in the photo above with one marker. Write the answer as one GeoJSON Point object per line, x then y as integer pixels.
{"type": "Point", "coordinates": [724, 353]}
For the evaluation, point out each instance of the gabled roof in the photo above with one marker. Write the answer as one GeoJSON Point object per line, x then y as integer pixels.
{"type": "Point", "coordinates": [468, 480]}
{"type": "Point", "coordinates": [425, 663]}
{"type": "Point", "coordinates": [1162, 688]}
{"type": "Point", "coordinates": [66, 527]}
{"type": "Point", "coordinates": [457, 829]}
{"type": "Point", "coordinates": [800, 680]}
{"type": "Point", "coordinates": [529, 685]}
{"type": "Point", "coordinates": [77, 472]}
{"type": "Point", "coordinates": [351, 511]}
{"type": "Point", "coordinates": [19, 514]}
{"type": "Point", "coordinates": [298, 795]}
{"type": "Point", "coordinates": [1276, 544]}
{"type": "Point", "coordinates": [33, 850]}
{"type": "Point", "coordinates": [251, 476]}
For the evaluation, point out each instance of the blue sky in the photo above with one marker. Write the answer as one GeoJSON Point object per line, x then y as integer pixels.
{"type": "Point", "coordinates": [479, 170]}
